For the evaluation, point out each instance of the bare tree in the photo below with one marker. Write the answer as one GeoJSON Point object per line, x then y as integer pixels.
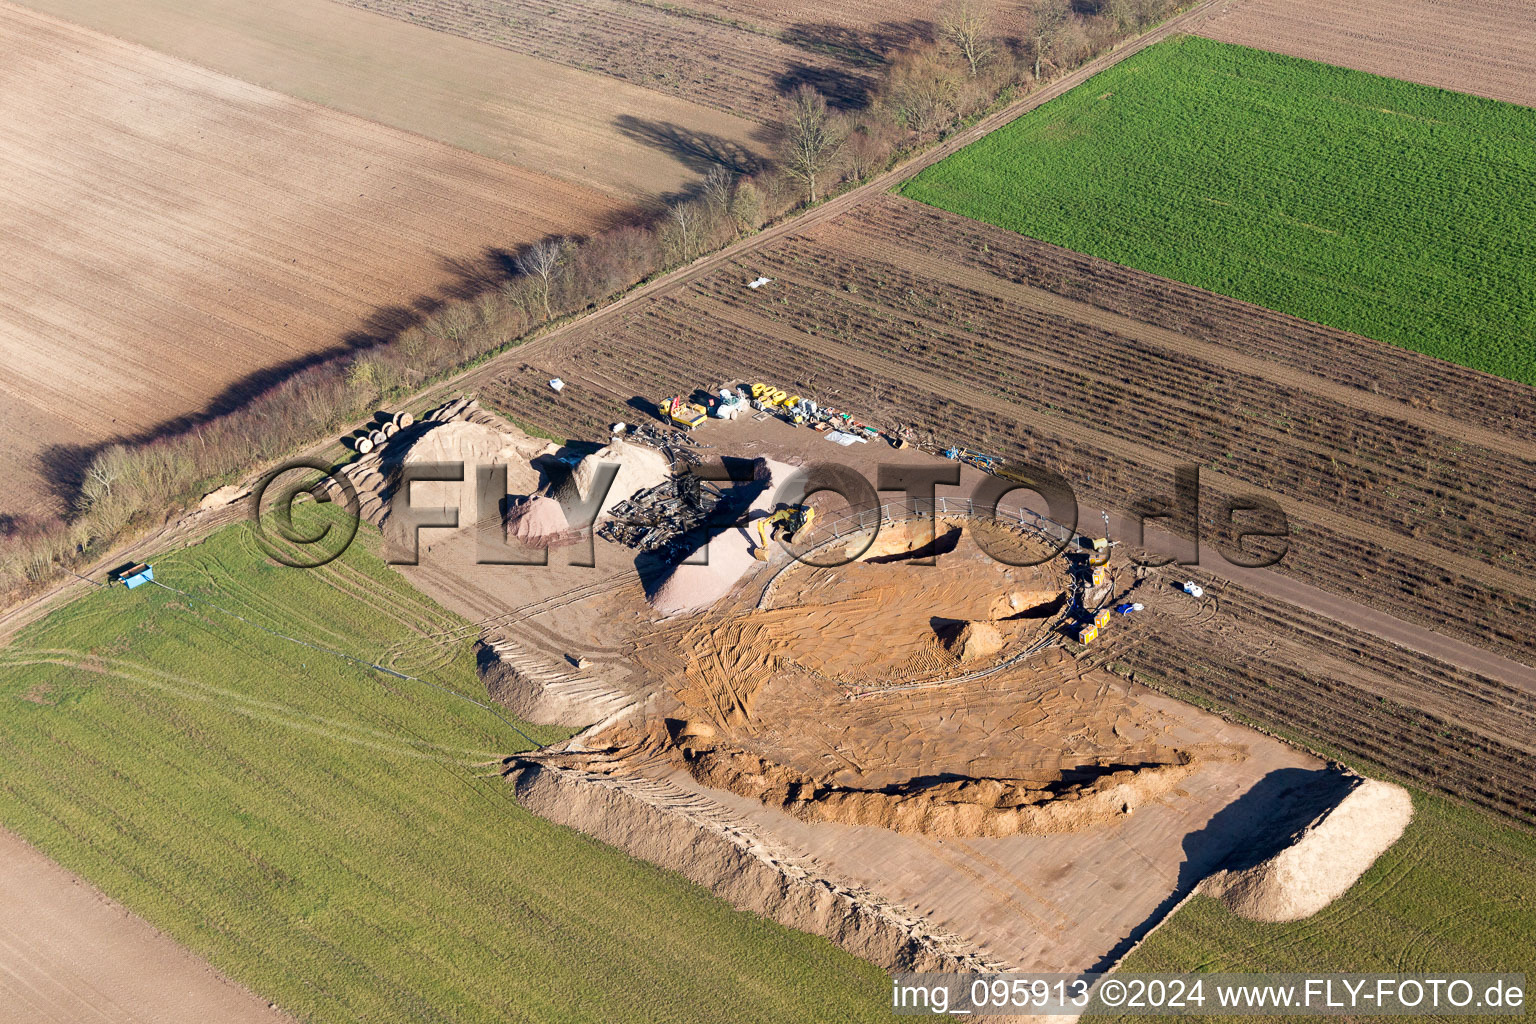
{"type": "Point", "coordinates": [542, 261]}
{"type": "Point", "coordinates": [685, 221]}
{"type": "Point", "coordinates": [719, 183]}
{"type": "Point", "coordinates": [747, 205]}
{"type": "Point", "coordinates": [1048, 20]}
{"type": "Point", "coordinates": [923, 91]}
{"type": "Point", "coordinates": [812, 138]}
{"type": "Point", "coordinates": [967, 24]}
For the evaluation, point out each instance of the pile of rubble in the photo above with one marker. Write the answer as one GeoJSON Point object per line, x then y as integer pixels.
{"type": "Point", "coordinates": [679, 447]}
{"type": "Point", "coordinates": [663, 517]}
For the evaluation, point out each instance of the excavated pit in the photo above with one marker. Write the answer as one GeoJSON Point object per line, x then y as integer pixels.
{"type": "Point", "coordinates": [946, 804]}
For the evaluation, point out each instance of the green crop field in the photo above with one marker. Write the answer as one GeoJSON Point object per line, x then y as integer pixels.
{"type": "Point", "coordinates": [338, 839]}
{"type": "Point", "coordinates": [1397, 211]}
{"type": "Point", "coordinates": [1456, 893]}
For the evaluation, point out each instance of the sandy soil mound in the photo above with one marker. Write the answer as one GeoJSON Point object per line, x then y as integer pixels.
{"type": "Point", "coordinates": [1045, 801]}
{"type": "Point", "coordinates": [742, 866]}
{"type": "Point", "coordinates": [691, 588]}
{"type": "Point", "coordinates": [1322, 863]}
{"type": "Point", "coordinates": [975, 641]}
{"type": "Point", "coordinates": [474, 445]}
{"type": "Point", "coordinates": [640, 468]}
{"type": "Point", "coordinates": [540, 522]}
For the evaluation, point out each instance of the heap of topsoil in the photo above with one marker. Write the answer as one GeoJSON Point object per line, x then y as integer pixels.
{"type": "Point", "coordinates": [639, 469]}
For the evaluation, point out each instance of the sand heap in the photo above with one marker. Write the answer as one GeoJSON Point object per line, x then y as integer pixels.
{"type": "Point", "coordinates": [540, 522]}
{"type": "Point", "coordinates": [691, 588]}
{"type": "Point", "coordinates": [1326, 859]}
{"type": "Point", "coordinates": [474, 445]}
{"type": "Point", "coordinates": [640, 468]}
{"type": "Point", "coordinates": [975, 641]}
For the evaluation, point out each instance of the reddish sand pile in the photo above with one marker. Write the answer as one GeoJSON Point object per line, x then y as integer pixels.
{"type": "Point", "coordinates": [540, 522]}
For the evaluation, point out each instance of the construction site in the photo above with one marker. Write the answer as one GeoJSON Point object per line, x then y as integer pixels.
{"type": "Point", "coordinates": [900, 726]}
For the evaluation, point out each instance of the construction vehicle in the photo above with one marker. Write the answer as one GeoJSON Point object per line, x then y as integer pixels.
{"type": "Point", "coordinates": [682, 413]}
{"type": "Point", "coordinates": [789, 521]}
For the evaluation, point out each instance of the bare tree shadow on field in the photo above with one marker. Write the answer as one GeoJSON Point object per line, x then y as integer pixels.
{"type": "Point", "coordinates": [846, 91]}
{"type": "Point", "coordinates": [63, 466]}
{"type": "Point", "coordinates": [859, 48]}
{"type": "Point", "coordinates": [698, 151]}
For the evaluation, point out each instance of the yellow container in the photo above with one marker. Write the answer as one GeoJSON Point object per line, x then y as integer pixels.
{"type": "Point", "coordinates": [1100, 575]}
{"type": "Point", "coordinates": [1088, 634]}
{"type": "Point", "coordinates": [1102, 618]}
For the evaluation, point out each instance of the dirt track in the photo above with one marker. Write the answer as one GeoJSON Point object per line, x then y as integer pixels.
{"type": "Point", "coordinates": [69, 955]}
{"type": "Point", "coordinates": [171, 231]}
{"type": "Point", "coordinates": [1485, 47]}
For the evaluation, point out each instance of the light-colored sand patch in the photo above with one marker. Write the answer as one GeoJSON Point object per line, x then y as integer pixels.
{"type": "Point", "coordinates": [1326, 859]}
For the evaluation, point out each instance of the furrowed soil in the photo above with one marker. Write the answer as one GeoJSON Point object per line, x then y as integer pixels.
{"type": "Point", "coordinates": [177, 239]}
{"type": "Point", "coordinates": [1381, 207]}
{"type": "Point", "coordinates": [1401, 476]}
{"type": "Point", "coordinates": [734, 56]}
{"type": "Point", "coordinates": [1485, 47]}
{"type": "Point", "coordinates": [617, 138]}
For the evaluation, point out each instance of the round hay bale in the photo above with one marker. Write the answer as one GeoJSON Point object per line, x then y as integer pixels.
{"type": "Point", "coordinates": [404, 419]}
{"type": "Point", "coordinates": [389, 429]}
{"type": "Point", "coordinates": [378, 437]}
{"type": "Point", "coordinates": [364, 445]}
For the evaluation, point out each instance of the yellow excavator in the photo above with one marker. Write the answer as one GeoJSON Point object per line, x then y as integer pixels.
{"type": "Point", "coordinates": [789, 521]}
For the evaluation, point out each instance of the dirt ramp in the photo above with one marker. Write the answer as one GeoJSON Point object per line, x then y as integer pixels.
{"type": "Point", "coordinates": [1322, 863]}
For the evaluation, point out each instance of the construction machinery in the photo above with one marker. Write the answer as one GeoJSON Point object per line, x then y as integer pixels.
{"type": "Point", "coordinates": [682, 413]}
{"type": "Point", "coordinates": [789, 521]}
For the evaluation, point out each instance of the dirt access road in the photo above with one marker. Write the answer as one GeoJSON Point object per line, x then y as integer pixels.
{"type": "Point", "coordinates": [68, 955]}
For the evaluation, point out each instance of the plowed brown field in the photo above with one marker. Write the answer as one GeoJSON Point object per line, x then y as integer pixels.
{"type": "Point", "coordinates": [557, 120]}
{"type": "Point", "coordinates": [1486, 47]}
{"type": "Point", "coordinates": [170, 232]}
